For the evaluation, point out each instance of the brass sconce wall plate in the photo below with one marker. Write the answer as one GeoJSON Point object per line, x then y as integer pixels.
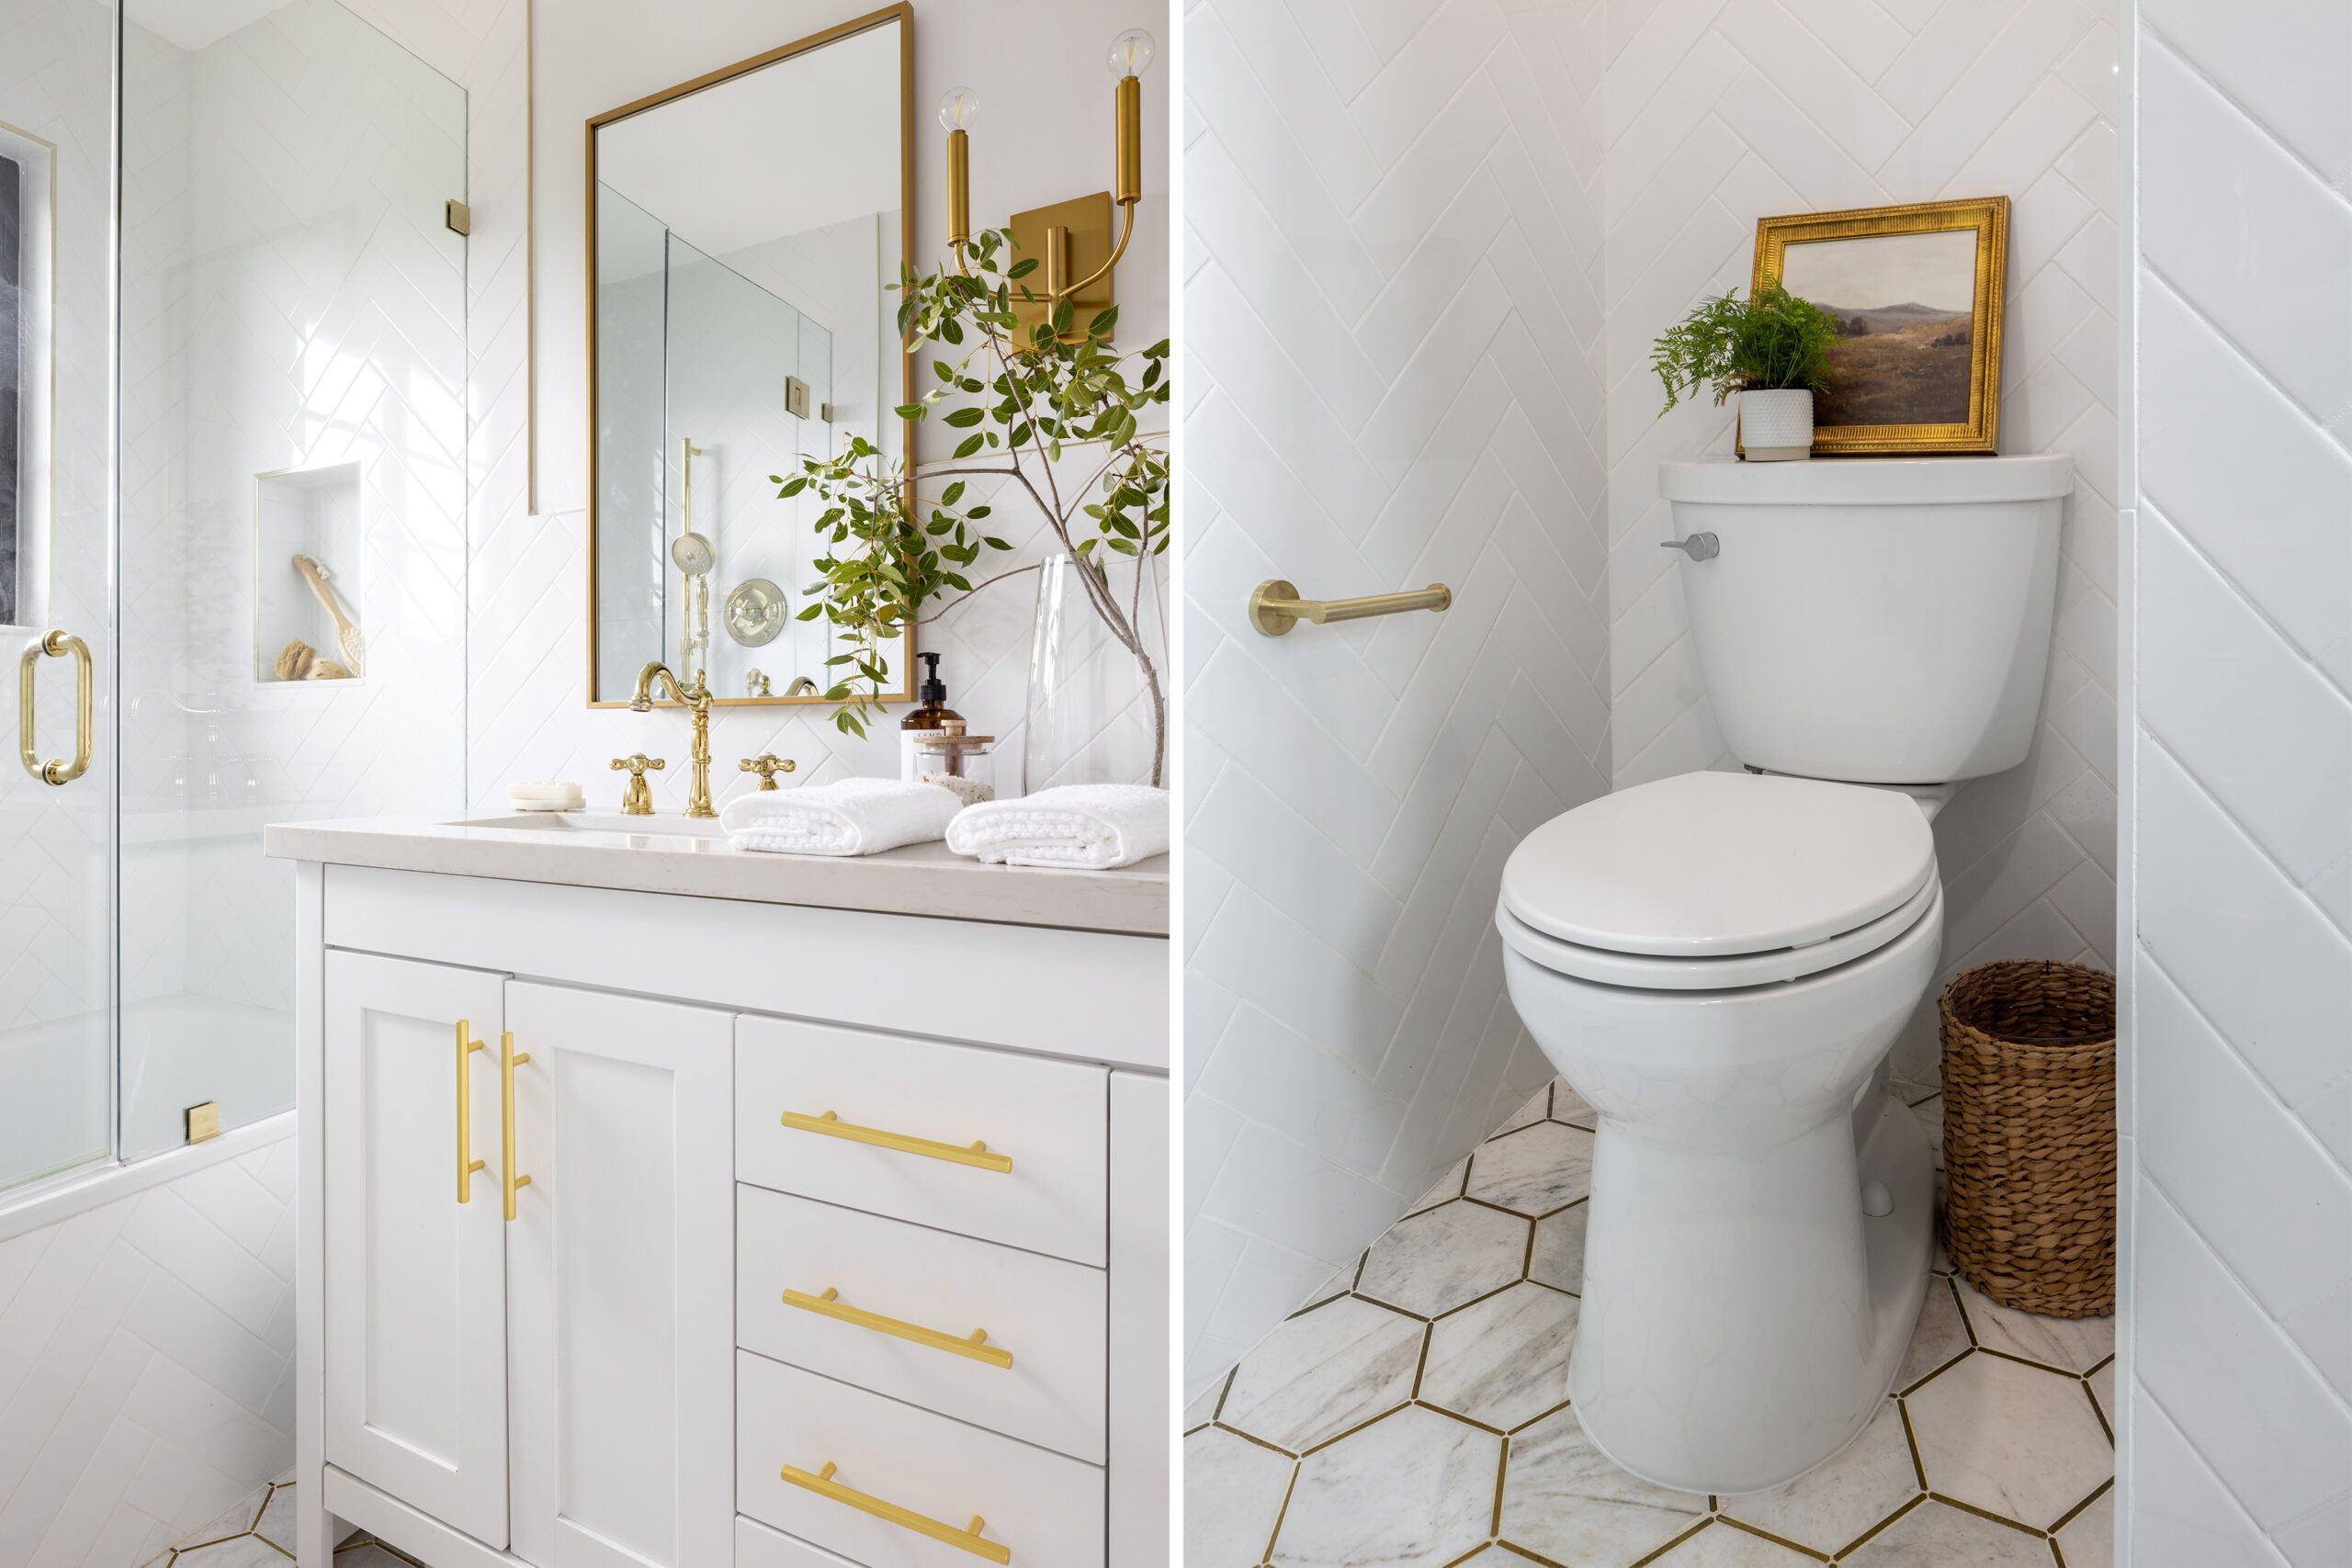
{"type": "Point", "coordinates": [1091, 235]}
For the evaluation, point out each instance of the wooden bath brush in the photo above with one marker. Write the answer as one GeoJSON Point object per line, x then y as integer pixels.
{"type": "Point", "coordinates": [347, 630]}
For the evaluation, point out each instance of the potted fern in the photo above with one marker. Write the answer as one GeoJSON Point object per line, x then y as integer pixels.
{"type": "Point", "coordinates": [1772, 349]}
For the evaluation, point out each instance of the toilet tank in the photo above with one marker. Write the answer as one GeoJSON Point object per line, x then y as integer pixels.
{"type": "Point", "coordinates": [1875, 620]}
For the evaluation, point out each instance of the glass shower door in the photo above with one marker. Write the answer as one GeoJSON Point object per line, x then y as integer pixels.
{"type": "Point", "coordinates": [293, 553]}
{"type": "Point", "coordinates": [56, 925]}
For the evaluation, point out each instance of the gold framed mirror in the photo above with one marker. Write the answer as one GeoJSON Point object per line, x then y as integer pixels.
{"type": "Point", "coordinates": [743, 230]}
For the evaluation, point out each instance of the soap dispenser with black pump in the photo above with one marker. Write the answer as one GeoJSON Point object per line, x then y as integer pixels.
{"type": "Point", "coordinates": [928, 722]}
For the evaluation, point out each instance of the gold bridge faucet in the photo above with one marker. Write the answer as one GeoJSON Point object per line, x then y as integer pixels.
{"type": "Point", "coordinates": [695, 700]}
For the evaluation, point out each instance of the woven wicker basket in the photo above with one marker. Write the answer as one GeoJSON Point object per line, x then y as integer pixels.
{"type": "Point", "coordinates": [2028, 1071]}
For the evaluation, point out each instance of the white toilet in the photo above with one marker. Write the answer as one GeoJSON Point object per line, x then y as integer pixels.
{"type": "Point", "coordinates": [1720, 962]}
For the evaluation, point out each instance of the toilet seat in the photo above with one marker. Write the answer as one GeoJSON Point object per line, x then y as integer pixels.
{"type": "Point", "coordinates": [1654, 974]}
{"type": "Point", "coordinates": [1711, 881]}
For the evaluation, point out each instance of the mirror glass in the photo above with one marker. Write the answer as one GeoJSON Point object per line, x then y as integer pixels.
{"type": "Point", "coordinates": [745, 231]}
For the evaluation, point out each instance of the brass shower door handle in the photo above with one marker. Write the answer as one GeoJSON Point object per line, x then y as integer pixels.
{"type": "Point", "coordinates": [1275, 606]}
{"type": "Point", "coordinates": [56, 644]}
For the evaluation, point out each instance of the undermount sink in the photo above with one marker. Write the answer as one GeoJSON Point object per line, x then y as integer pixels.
{"type": "Point", "coordinates": [670, 826]}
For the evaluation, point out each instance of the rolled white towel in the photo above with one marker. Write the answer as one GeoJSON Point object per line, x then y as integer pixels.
{"type": "Point", "coordinates": [851, 817]}
{"type": "Point", "coordinates": [1092, 826]}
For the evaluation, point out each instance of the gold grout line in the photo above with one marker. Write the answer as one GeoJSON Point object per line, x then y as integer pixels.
{"type": "Point", "coordinates": [1856, 1544]}
{"type": "Point", "coordinates": [1421, 1362]}
{"type": "Point", "coordinates": [1341, 1437]}
{"type": "Point", "coordinates": [1545, 1415]}
{"type": "Point", "coordinates": [1531, 1555]}
{"type": "Point", "coordinates": [1911, 1441]}
{"type": "Point", "coordinates": [1252, 1438]}
{"type": "Point", "coordinates": [1502, 1474]}
{"type": "Point", "coordinates": [1988, 1514]}
{"type": "Point", "coordinates": [1283, 1513]}
{"type": "Point", "coordinates": [2030, 1361]}
{"type": "Point", "coordinates": [2097, 1492]}
{"type": "Point", "coordinates": [2104, 1425]}
{"type": "Point", "coordinates": [1739, 1524]}
{"type": "Point", "coordinates": [2100, 1362]}
{"type": "Point", "coordinates": [1937, 1371]}
{"type": "Point", "coordinates": [1669, 1546]}
{"type": "Point", "coordinates": [1453, 1414]}
{"type": "Point", "coordinates": [1469, 1554]}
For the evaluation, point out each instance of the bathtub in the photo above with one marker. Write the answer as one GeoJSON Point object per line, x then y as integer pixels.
{"type": "Point", "coordinates": [58, 1136]}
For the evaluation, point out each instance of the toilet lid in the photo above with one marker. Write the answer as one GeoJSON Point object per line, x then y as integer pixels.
{"type": "Point", "coordinates": [1713, 864]}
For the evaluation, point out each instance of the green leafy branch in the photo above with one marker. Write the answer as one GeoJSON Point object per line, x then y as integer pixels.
{"type": "Point", "coordinates": [1025, 397]}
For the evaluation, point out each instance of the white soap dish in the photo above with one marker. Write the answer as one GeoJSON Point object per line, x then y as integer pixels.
{"type": "Point", "coordinates": [532, 794]}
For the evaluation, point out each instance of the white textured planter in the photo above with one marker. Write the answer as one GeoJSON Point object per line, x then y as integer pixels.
{"type": "Point", "coordinates": [1776, 426]}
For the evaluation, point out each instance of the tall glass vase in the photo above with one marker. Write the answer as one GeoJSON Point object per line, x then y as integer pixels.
{"type": "Point", "coordinates": [1089, 715]}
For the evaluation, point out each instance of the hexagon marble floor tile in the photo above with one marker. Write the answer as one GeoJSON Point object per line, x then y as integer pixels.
{"type": "Point", "coordinates": [260, 1534]}
{"type": "Point", "coordinates": [1416, 1415]}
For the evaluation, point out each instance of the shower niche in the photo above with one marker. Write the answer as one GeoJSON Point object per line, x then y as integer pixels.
{"type": "Point", "coordinates": [307, 549]}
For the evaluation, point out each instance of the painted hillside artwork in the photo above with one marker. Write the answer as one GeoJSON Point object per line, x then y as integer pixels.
{"type": "Point", "coordinates": [1905, 311]}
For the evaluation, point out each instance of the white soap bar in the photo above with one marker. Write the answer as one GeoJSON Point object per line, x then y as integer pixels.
{"type": "Point", "coordinates": [539, 794]}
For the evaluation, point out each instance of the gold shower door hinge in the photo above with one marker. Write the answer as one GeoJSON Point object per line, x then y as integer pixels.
{"type": "Point", "coordinates": [204, 1122]}
{"type": "Point", "coordinates": [458, 217]}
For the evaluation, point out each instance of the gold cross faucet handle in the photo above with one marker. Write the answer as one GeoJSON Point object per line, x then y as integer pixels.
{"type": "Point", "coordinates": [767, 764]}
{"type": "Point", "coordinates": [636, 796]}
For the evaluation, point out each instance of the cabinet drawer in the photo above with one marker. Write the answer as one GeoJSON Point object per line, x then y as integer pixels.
{"type": "Point", "coordinates": [1044, 1509]}
{"type": "Point", "coordinates": [756, 1546]}
{"type": "Point", "coordinates": [1049, 1119]}
{"type": "Point", "coordinates": [1047, 1315]}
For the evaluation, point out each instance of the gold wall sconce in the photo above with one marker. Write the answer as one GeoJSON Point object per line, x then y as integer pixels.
{"type": "Point", "coordinates": [1071, 239]}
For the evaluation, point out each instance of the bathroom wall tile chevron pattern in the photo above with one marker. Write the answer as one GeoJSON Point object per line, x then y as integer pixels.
{"type": "Point", "coordinates": [1717, 112]}
{"type": "Point", "coordinates": [146, 1365]}
{"type": "Point", "coordinates": [1393, 316]}
{"type": "Point", "coordinates": [2242, 842]}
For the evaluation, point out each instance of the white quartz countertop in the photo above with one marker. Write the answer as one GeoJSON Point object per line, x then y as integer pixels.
{"type": "Point", "coordinates": [666, 854]}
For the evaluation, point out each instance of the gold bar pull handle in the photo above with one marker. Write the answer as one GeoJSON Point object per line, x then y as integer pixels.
{"type": "Point", "coordinates": [56, 644]}
{"type": "Point", "coordinates": [467, 1164]}
{"type": "Point", "coordinates": [832, 1126]}
{"type": "Point", "coordinates": [509, 1059]}
{"type": "Point", "coordinates": [829, 1304]}
{"type": "Point", "coordinates": [1275, 606]}
{"type": "Point", "coordinates": [964, 1540]}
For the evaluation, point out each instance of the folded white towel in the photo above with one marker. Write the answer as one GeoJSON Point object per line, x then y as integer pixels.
{"type": "Point", "coordinates": [852, 816]}
{"type": "Point", "coordinates": [1094, 825]}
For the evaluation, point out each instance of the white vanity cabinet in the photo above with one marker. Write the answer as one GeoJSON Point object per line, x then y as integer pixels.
{"type": "Point", "coordinates": [744, 1233]}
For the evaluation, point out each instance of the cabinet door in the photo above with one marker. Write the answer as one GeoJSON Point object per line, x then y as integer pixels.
{"type": "Point", "coordinates": [621, 1267]}
{"type": "Point", "coordinates": [415, 1279]}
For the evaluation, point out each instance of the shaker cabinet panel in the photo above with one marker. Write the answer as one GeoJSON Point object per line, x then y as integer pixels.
{"type": "Point", "coordinates": [620, 1270]}
{"type": "Point", "coordinates": [899, 1293]}
{"type": "Point", "coordinates": [888, 1485]}
{"type": "Point", "coordinates": [885, 1124]}
{"type": "Point", "coordinates": [414, 1266]}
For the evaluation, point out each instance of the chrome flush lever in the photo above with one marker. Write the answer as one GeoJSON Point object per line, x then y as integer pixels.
{"type": "Point", "coordinates": [1698, 546]}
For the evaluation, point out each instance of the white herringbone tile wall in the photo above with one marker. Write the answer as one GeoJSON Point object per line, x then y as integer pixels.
{"type": "Point", "coordinates": [530, 718]}
{"type": "Point", "coordinates": [146, 1365]}
{"type": "Point", "coordinates": [2235, 1438]}
{"type": "Point", "coordinates": [1394, 351]}
{"type": "Point", "coordinates": [1719, 112]}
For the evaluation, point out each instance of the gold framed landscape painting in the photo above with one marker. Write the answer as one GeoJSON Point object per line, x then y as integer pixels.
{"type": "Point", "coordinates": [1917, 292]}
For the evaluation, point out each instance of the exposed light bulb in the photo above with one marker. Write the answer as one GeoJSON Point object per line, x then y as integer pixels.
{"type": "Point", "coordinates": [958, 108]}
{"type": "Point", "coordinates": [1132, 53]}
